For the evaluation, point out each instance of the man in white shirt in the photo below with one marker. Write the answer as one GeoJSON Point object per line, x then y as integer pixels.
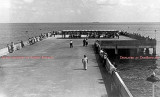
{"type": "Point", "coordinates": [71, 44]}
{"type": "Point", "coordinates": [85, 61]}
{"type": "Point", "coordinates": [101, 52]}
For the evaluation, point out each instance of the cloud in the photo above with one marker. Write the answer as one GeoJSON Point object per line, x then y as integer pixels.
{"type": "Point", "coordinates": [101, 1]}
{"type": "Point", "coordinates": [126, 2]}
{"type": "Point", "coordinates": [28, 1]}
{"type": "Point", "coordinates": [79, 10]}
{"type": "Point", "coordinates": [5, 4]}
{"type": "Point", "coordinates": [107, 2]}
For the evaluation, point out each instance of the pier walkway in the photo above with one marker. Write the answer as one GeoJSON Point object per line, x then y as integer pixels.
{"type": "Point", "coordinates": [61, 75]}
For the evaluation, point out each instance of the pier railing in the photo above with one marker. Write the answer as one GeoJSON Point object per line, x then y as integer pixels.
{"type": "Point", "coordinates": [18, 45]}
{"type": "Point", "coordinates": [137, 36]}
{"type": "Point", "coordinates": [120, 86]}
{"type": "Point", "coordinates": [117, 81]}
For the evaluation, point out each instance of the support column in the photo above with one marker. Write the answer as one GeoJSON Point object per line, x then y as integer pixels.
{"type": "Point", "coordinates": [141, 51]}
{"type": "Point", "coordinates": [147, 51]}
{"type": "Point", "coordinates": [116, 50]}
{"type": "Point", "coordinates": [138, 50]}
{"type": "Point", "coordinates": [64, 35]}
{"type": "Point", "coordinates": [154, 51]}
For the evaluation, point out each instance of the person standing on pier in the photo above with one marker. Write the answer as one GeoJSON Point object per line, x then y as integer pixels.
{"type": "Point", "coordinates": [12, 47]}
{"type": "Point", "coordinates": [30, 41]}
{"type": "Point", "coordinates": [85, 62]}
{"type": "Point", "coordinates": [54, 34]}
{"type": "Point", "coordinates": [71, 44]}
{"type": "Point", "coordinates": [22, 44]}
{"type": "Point", "coordinates": [9, 48]}
{"type": "Point", "coordinates": [101, 54]}
{"type": "Point", "coordinates": [84, 42]}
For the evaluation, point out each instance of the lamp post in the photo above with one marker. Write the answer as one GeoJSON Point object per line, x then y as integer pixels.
{"type": "Point", "coordinates": [153, 79]}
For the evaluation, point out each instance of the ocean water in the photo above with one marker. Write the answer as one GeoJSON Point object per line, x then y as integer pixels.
{"type": "Point", "coordinates": [14, 32]}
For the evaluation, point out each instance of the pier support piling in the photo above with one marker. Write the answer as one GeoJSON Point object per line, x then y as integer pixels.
{"type": "Point", "coordinates": [154, 51]}
{"type": "Point", "coordinates": [147, 51]}
{"type": "Point", "coordinates": [116, 50]}
{"type": "Point", "coordinates": [138, 50]}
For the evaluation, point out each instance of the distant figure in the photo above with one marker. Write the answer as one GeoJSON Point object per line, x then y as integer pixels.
{"type": "Point", "coordinates": [9, 48]}
{"type": "Point", "coordinates": [85, 61]}
{"type": "Point", "coordinates": [30, 41]}
{"type": "Point", "coordinates": [22, 44]}
{"type": "Point", "coordinates": [101, 51]}
{"type": "Point", "coordinates": [71, 44]}
{"type": "Point", "coordinates": [104, 59]}
{"type": "Point", "coordinates": [117, 35]}
{"type": "Point", "coordinates": [54, 34]}
{"type": "Point", "coordinates": [84, 42]}
{"type": "Point", "coordinates": [12, 47]}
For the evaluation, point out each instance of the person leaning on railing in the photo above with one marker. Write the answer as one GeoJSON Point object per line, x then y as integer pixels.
{"type": "Point", "coordinates": [9, 48]}
{"type": "Point", "coordinates": [104, 58]}
{"type": "Point", "coordinates": [96, 47]}
{"type": "Point", "coordinates": [29, 40]}
{"type": "Point", "coordinates": [22, 44]}
{"type": "Point", "coordinates": [101, 55]}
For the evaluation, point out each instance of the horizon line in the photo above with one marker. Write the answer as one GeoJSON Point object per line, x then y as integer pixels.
{"type": "Point", "coordinates": [75, 22]}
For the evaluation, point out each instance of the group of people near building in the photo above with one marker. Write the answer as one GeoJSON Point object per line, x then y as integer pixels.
{"type": "Point", "coordinates": [91, 34]}
{"type": "Point", "coordinates": [104, 35]}
{"type": "Point", "coordinates": [12, 47]}
{"type": "Point", "coordinates": [75, 36]}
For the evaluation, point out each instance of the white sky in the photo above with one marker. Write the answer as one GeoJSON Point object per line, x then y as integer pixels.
{"type": "Point", "coordinates": [79, 11]}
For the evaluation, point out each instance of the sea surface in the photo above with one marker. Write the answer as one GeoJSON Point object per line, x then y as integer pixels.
{"type": "Point", "coordinates": [14, 32]}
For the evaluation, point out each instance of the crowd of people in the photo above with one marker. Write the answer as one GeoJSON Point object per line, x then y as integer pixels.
{"type": "Point", "coordinates": [12, 46]}
{"type": "Point", "coordinates": [106, 35]}
{"type": "Point", "coordinates": [74, 36]}
{"type": "Point", "coordinates": [93, 35]}
{"type": "Point", "coordinates": [136, 36]}
{"type": "Point", "coordinates": [103, 56]}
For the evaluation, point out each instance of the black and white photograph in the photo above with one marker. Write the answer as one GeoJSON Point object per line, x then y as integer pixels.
{"type": "Point", "coordinates": [79, 48]}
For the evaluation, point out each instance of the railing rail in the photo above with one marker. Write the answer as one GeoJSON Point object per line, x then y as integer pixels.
{"type": "Point", "coordinates": [122, 89]}
{"type": "Point", "coordinates": [18, 46]}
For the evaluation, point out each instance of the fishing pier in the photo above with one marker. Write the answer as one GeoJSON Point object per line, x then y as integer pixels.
{"type": "Point", "coordinates": [27, 73]}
